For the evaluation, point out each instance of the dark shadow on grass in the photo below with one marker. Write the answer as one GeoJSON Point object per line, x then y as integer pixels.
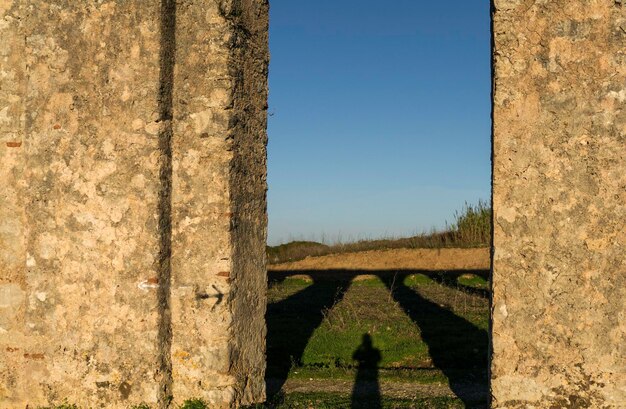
{"type": "Point", "coordinates": [451, 279]}
{"type": "Point", "coordinates": [456, 346]}
{"type": "Point", "coordinates": [366, 390]}
{"type": "Point", "coordinates": [291, 323]}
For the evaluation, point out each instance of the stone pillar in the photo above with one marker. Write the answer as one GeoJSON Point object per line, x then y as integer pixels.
{"type": "Point", "coordinates": [132, 202]}
{"type": "Point", "coordinates": [559, 197]}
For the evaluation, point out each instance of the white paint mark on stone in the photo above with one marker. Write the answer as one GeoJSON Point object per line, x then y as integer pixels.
{"type": "Point", "coordinates": [183, 291]}
{"type": "Point", "coordinates": [41, 296]}
{"type": "Point", "coordinates": [146, 285]}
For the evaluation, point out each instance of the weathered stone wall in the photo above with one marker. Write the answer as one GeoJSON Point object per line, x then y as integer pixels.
{"type": "Point", "coordinates": [559, 196]}
{"type": "Point", "coordinates": [130, 249]}
{"type": "Point", "coordinates": [218, 255]}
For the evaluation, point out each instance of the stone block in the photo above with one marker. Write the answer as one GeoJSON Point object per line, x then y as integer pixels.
{"type": "Point", "coordinates": [559, 198]}
{"type": "Point", "coordinates": [132, 202]}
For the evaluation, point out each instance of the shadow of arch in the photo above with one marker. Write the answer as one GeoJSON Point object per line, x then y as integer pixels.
{"type": "Point", "coordinates": [291, 323]}
{"type": "Point", "coordinates": [456, 346]}
{"type": "Point", "coordinates": [450, 279]}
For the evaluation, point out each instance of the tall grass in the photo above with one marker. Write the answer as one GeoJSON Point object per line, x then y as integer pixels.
{"type": "Point", "coordinates": [471, 227]}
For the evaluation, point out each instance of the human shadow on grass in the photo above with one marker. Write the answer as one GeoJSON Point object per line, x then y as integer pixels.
{"type": "Point", "coordinates": [456, 346]}
{"type": "Point", "coordinates": [291, 323]}
{"type": "Point", "coordinates": [366, 389]}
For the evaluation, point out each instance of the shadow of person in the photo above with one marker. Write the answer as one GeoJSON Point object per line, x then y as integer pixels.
{"type": "Point", "coordinates": [366, 390]}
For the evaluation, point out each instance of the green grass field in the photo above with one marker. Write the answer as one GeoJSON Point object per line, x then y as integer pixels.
{"type": "Point", "coordinates": [339, 401]}
{"type": "Point", "coordinates": [425, 329]}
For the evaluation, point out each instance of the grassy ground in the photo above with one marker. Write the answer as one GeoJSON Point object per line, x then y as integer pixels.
{"type": "Point", "coordinates": [471, 228]}
{"type": "Point", "coordinates": [424, 329]}
{"type": "Point", "coordinates": [339, 401]}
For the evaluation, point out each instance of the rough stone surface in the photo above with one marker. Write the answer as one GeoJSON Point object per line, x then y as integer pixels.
{"type": "Point", "coordinates": [132, 202]}
{"type": "Point", "coordinates": [219, 186]}
{"type": "Point", "coordinates": [559, 196]}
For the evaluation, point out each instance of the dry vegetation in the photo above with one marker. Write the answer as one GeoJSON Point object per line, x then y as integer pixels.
{"type": "Point", "coordinates": [471, 228]}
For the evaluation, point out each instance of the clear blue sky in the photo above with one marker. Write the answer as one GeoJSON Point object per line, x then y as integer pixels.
{"type": "Point", "coordinates": [380, 116]}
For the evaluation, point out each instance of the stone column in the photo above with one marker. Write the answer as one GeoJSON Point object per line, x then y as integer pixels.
{"type": "Point", "coordinates": [559, 197]}
{"type": "Point", "coordinates": [132, 202]}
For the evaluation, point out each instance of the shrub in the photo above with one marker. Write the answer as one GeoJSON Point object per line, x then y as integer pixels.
{"type": "Point", "coordinates": [472, 227]}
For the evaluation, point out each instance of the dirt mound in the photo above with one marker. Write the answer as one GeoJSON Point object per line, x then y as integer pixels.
{"type": "Point", "coordinates": [401, 259]}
